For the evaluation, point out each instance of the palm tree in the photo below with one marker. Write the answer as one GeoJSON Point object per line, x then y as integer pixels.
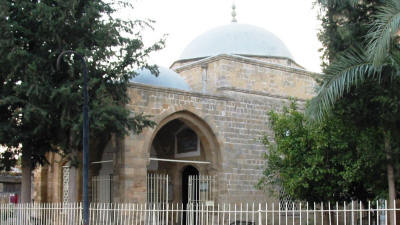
{"type": "Point", "coordinates": [380, 60]}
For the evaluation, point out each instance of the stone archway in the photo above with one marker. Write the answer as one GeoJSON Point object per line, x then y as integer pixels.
{"type": "Point", "coordinates": [207, 160]}
{"type": "Point", "coordinates": [206, 134]}
{"type": "Point", "coordinates": [133, 162]}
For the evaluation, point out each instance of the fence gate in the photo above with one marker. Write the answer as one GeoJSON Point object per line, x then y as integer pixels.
{"type": "Point", "coordinates": [157, 188]}
{"type": "Point", "coordinates": [102, 189]}
{"type": "Point", "coordinates": [201, 189]}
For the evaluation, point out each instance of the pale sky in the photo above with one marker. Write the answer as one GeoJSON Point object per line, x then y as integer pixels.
{"type": "Point", "coordinates": [293, 21]}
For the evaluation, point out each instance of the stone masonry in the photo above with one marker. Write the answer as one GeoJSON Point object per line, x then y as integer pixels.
{"type": "Point", "coordinates": [227, 108]}
{"type": "Point", "coordinates": [238, 94]}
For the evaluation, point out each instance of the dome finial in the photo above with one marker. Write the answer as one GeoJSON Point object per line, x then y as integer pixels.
{"type": "Point", "coordinates": [233, 13]}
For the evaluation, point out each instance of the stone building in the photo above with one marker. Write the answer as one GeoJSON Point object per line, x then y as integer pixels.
{"type": "Point", "coordinates": [211, 109]}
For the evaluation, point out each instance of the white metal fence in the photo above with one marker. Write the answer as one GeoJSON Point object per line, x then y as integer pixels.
{"type": "Point", "coordinates": [201, 189]}
{"type": "Point", "coordinates": [157, 188]}
{"type": "Point", "coordinates": [373, 213]}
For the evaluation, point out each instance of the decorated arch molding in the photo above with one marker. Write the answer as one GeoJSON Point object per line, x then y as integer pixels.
{"type": "Point", "coordinates": [202, 125]}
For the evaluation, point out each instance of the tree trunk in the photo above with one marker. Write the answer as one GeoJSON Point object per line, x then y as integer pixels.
{"type": "Point", "coordinates": [26, 176]}
{"type": "Point", "coordinates": [390, 174]}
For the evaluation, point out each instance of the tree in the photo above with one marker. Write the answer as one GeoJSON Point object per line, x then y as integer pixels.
{"type": "Point", "coordinates": [344, 24]}
{"type": "Point", "coordinates": [328, 161]}
{"type": "Point", "coordinates": [41, 107]}
{"type": "Point", "coordinates": [352, 68]}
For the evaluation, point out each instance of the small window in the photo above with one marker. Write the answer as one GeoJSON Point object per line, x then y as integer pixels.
{"type": "Point", "coordinates": [187, 143]}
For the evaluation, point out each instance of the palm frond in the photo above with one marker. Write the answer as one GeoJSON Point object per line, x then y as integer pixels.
{"type": "Point", "coordinates": [394, 59]}
{"type": "Point", "coordinates": [350, 68]}
{"type": "Point", "coordinates": [383, 31]}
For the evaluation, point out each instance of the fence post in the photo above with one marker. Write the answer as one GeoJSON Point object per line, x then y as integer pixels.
{"type": "Point", "coordinates": [394, 212]}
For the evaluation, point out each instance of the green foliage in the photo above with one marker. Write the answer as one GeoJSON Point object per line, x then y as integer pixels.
{"type": "Point", "coordinates": [344, 24]}
{"type": "Point", "coordinates": [343, 157]}
{"type": "Point", "coordinates": [361, 84]}
{"type": "Point", "coordinates": [352, 67]}
{"type": "Point", "coordinates": [329, 161]}
{"type": "Point", "coordinates": [349, 69]}
{"type": "Point", "coordinates": [383, 33]}
{"type": "Point", "coordinates": [41, 107]}
{"type": "Point", "coordinates": [7, 160]}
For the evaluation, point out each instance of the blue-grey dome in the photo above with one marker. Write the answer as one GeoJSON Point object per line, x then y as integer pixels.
{"type": "Point", "coordinates": [167, 78]}
{"type": "Point", "coordinates": [239, 39]}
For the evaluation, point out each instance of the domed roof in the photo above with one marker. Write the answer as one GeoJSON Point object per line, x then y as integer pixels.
{"type": "Point", "coordinates": [166, 78]}
{"type": "Point", "coordinates": [240, 39]}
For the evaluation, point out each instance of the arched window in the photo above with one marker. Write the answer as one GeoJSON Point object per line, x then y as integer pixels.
{"type": "Point", "coordinates": [187, 144]}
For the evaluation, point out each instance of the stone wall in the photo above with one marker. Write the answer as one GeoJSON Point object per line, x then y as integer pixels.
{"type": "Point", "coordinates": [242, 73]}
{"type": "Point", "coordinates": [227, 109]}
{"type": "Point", "coordinates": [268, 59]}
{"type": "Point", "coordinates": [279, 61]}
{"type": "Point", "coordinates": [48, 180]}
{"type": "Point", "coordinates": [237, 120]}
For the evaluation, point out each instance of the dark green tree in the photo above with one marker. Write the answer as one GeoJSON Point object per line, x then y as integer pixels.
{"type": "Point", "coordinates": [337, 144]}
{"type": "Point", "coordinates": [329, 161]}
{"type": "Point", "coordinates": [41, 107]}
{"type": "Point", "coordinates": [340, 158]}
{"type": "Point", "coordinates": [344, 23]}
{"type": "Point", "coordinates": [378, 58]}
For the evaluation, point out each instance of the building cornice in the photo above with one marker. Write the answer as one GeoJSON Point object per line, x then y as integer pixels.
{"type": "Point", "coordinates": [260, 93]}
{"type": "Point", "coordinates": [177, 91]}
{"type": "Point", "coordinates": [211, 96]}
{"type": "Point", "coordinates": [246, 60]}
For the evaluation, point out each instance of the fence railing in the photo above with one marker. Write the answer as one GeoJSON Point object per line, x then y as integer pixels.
{"type": "Point", "coordinates": [372, 213]}
{"type": "Point", "coordinates": [157, 188]}
{"type": "Point", "coordinates": [201, 189]}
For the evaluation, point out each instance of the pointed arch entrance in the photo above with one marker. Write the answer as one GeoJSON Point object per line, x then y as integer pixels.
{"type": "Point", "coordinates": [186, 173]}
{"type": "Point", "coordinates": [183, 145]}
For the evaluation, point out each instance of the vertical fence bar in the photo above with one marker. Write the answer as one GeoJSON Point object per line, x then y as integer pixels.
{"type": "Point", "coordinates": [300, 211]}
{"type": "Point", "coordinates": [229, 213]}
{"type": "Point", "coordinates": [293, 213]}
{"type": "Point", "coordinates": [337, 213]}
{"type": "Point", "coordinates": [286, 213]}
{"type": "Point", "coordinates": [279, 213]}
{"type": "Point", "coordinates": [360, 213]}
{"type": "Point", "coordinates": [307, 220]}
{"type": "Point", "coordinates": [394, 212]}
{"type": "Point", "coordinates": [385, 210]}
{"type": "Point", "coordinates": [322, 213]}
{"type": "Point", "coordinates": [273, 213]}
{"type": "Point", "coordinates": [352, 212]}
{"type": "Point", "coordinates": [344, 212]}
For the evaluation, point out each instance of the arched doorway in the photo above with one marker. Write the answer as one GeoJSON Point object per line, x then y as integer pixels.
{"type": "Point", "coordinates": [188, 171]}
{"type": "Point", "coordinates": [175, 150]}
{"type": "Point", "coordinates": [183, 145]}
